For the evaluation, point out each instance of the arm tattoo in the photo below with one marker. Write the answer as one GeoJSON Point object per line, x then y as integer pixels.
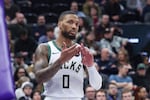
{"type": "Point", "coordinates": [44, 71]}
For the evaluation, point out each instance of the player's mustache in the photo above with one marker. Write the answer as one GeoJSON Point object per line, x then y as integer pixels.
{"type": "Point", "coordinates": [72, 31]}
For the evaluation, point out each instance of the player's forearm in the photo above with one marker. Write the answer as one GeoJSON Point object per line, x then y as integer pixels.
{"type": "Point", "coordinates": [95, 78]}
{"type": "Point", "coordinates": [47, 73]}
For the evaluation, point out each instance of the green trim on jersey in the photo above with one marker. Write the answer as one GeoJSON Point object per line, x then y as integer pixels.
{"type": "Point", "coordinates": [49, 51]}
{"type": "Point", "coordinates": [54, 42]}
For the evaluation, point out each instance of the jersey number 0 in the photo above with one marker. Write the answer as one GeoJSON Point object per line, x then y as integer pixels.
{"type": "Point", "coordinates": [65, 81]}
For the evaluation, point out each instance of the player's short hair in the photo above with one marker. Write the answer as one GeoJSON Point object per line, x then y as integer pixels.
{"type": "Point", "coordinates": [63, 14]}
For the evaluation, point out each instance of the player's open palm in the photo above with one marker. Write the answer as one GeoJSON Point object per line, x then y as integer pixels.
{"type": "Point", "coordinates": [87, 57]}
{"type": "Point", "coordinates": [68, 53]}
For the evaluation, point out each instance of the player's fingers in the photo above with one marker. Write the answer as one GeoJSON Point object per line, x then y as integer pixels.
{"type": "Point", "coordinates": [74, 50]}
{"type": "Point", "coordinates": [83, 60]}
{"type": "Point", "coordinates": [71, 48]}
{"type": "Point", "coordinates": [82, 45]}
{"type": "Point", "coordinates": [82, 49]}
{"type": "Point", "coordinates": [85, 51]}
{"type": "Point", "coordinates": [64, 46]}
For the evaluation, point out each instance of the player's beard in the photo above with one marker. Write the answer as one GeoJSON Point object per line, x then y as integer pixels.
{"type": "Point", "coordinates": [68, 36]}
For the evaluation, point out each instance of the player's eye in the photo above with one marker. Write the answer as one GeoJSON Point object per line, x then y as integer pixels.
{"type": "Point", "coordinates": [70, 22]}
{"type": "Point", "coordinates": [77, 24]}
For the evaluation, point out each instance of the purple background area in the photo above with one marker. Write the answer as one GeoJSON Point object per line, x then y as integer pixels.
{"type": "Point", "coordinates": [6, 82]}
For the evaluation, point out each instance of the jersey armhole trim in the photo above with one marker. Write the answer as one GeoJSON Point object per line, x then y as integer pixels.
{"type": "Point", "coordinates": [49, 52]}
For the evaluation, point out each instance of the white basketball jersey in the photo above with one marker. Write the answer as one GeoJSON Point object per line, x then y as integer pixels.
{"type": "Point", "coordinates": [68, 81]}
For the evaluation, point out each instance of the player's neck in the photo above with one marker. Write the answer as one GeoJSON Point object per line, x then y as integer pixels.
{"type": "Point", "coordinates": [68, 42]}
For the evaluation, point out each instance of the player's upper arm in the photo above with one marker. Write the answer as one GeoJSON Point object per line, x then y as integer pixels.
{"type": "Point", "coordinates": [41, 57]}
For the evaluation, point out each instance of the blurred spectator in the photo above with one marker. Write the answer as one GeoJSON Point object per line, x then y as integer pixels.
{"type": "Point", "coordinates": [23, 2]}
{"type": "Point", "coordinates": [20, 71]}
{"type": "Point", "coordinates": [89, 41]}
{"type": "Point", "coordinates": [106, 64]}
{"type": "Point", "coordinates": [25, 45]}
{"type": "Point", "coordinates": [112, 42]}
{"type": "Point", "coordinates": [40, 28]}
{"type": "Point", "coordinates": [104, 81]}
{"type": "Point", "coordinates": [141, 57]}
{"type": "Point", "coordinates": [19, 19]}
{"type": "Point", "coordinates": [118, 30]}
{"type": "Point", "coordinates": [19, 93]}
{"type": "Point", "coordinates": [89, 93]}
{"type": "Point", "coordinates": [122, 79]}
{"type": "Point", "coordinates": [48, 37]}
{"type": "Point", "coordinates": [21, 80]}
{"type": "Point", "coordinates": [87, 6]}
{"type": "Point", "coordinates": [113, 9]}
{"type": "Point", "coordinates": [146, 47]}
{"type": "Point", "coordinates": [36, 95]}
{"type": "Point", "coordinates": [127, 95]}
{"type": "Point", "coordinates": [123, 58]}
{"type": "Point", "coordinates": [146, 11]}
{"type": "Point", "coordinates": [113, 93]}
{"type": "Point", "coordinates": [10, 10]}
{"type": "Point", "coordinates": [104, 23]}
{"type": "Point", "coordinates": [140, 78]}
{"type": "Point", "coordinates": [136, 5]}
{"type": "Point", "coordinates": [19, 61]}
{"type": "Point", "coordinates": [140, 93]}
{"type": "Point", "coordinates": [74, 7]}
{"type": "Point", "coordinates": [17, 24]}
{"type": "Point", "coordinates": [101, 2]}
{"type": "Point", "coordinates": [145, 59]}
{"type": "Point", "coordinates": [11, 42]}
{"type": "Point", "coordinates": [94, 17]}
{"type": "Point", "coordinates": [148, 68]}
{"type": "Point", "coordinates": [84, 27]}
{"type": "Point", "coordinates": [101, 95]}
{"type": "Point", "coordinates": [27, 88]}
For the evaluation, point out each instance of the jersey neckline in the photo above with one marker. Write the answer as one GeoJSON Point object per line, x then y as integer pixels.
{"type": "Point", "coordinates": [54, 42]}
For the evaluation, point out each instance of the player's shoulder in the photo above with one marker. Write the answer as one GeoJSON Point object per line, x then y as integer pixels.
{"type": "Point", "coordinates": [45, 44]}
{"type": "Point", "coordinates": [43, 47]}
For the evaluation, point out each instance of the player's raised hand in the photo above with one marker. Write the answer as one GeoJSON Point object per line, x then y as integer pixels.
{"type": "Point", "coordinates": [68, 53]}
{"type": "Point", "coordinates": [87, 57]}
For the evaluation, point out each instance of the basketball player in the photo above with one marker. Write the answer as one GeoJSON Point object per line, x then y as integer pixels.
{"type": "Point", "coordinates": [59, 63]}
